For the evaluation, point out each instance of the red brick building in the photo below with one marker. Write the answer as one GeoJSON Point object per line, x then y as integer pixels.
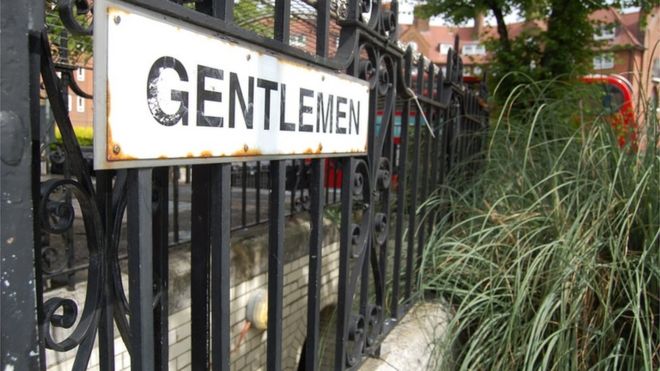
{"type": "Point", "coordinates": [81, 110]}
{"type": "Point", "coordinates": [435, 41]}
{"type": "Point", "coordinates": [626, 48]}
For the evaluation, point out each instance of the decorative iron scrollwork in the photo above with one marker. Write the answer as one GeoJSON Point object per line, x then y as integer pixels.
{"type": "Point", "coordinates": [355, 344]}
{"type": "Point", "coordinates": [88, 319]}
{"type": "Point", "coordinates": [374, 326]}
{"type": "Point", "coordinates": [389, 21]}
{"type": "Point", "coordinates": [454, 67]}
{"type": "Point", "coordinates": [65, 320]}
{"type": "Point", "coordinates": [57, 155]}
{"type": "Point", "coordinates": [356, 242]}
{"type": "Point", "coordinates": [58, 217]}
{"type": "Point", "coordinates": [358, 231]}
{"type": "Point", "coordinates": [384, 174]}
{"type": "Point", "coordinates": [302, 203]}
{"type": "Point", "coordinates": [57, 214]}
{"type": "Point", "coordinates": [53, 259]}
{"type": "Point", "coordinates": [380, 228]}
{"type": "Point", "coordinates": [72, 12]}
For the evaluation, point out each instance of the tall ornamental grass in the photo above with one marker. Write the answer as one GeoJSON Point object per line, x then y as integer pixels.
{"type": "Point", "coordinates": [549, 258]}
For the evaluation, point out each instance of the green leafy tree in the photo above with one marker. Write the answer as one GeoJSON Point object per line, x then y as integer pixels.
{"type": "Point", "coordinates": [253, 15]}
{"type": "Point", "coordinates": [66, 47]}
{"type": "Point", "coordinates": [562, 49]}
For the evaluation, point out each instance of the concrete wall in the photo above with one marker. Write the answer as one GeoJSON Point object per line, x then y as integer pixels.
{"type": "Point", "coordinates": [248, 274]}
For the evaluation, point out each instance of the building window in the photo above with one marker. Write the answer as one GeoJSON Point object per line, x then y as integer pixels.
{"type": "Point", "coordinates": [605, 32]}
{"type": "Point", "coordinates": [656, 68]}
{"type": "Point", "coordinates": [80, 104]}
{"type": "Point", "coordinates": [298, 40]}
{"type": "Point", "coordinates": [604, 61]}
{"type": "Point", "coordinates": [80, 74]}
{"type": "Point", "coordinates": [474, 49]}
{"type": "Point", "coordinates": [68, 98]}
{"type": "Point", "coordinates": [444, 48]}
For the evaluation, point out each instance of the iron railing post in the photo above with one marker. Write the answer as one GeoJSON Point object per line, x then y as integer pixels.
{"type": "Point", "coordinates": [20, 21]}
{"type": "Point", "coordinates": [140, 276]}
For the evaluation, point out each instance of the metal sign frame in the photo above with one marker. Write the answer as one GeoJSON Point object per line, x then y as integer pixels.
{"type": "Point", "coordinates": [109, 153]}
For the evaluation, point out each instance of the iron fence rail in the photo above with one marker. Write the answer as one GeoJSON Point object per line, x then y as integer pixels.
{"type": "Point", "coordinates": [423, 125]}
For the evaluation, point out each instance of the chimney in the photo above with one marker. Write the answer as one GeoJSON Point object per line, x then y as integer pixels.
{"type": "Point", "coordinates": [422, 24]}
{"type": "Point", "coordinates": [478, 24]}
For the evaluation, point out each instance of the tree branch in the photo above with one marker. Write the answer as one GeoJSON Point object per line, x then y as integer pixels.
{"type": "Point", "coordinates": [502, 31]}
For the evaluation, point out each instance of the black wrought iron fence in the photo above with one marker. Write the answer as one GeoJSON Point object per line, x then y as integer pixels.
{"type": "Point", "coordinates": [422, 124]}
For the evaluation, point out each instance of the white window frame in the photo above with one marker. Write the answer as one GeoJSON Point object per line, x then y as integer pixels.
{"type": "Point", "coordinates": [68, 101]}
{"type": "Point", "coordinates": [80, 104]}
{"type": "Point", "coordinates": [80, 74]}
{"type": "Point", "coordinates": [605, 32]}
{"type": "Point", "coordinates": [474, 49]}
{"type": "Point", "coordinates": [604, 61]}
{"type": "Point", "coordinates": [298, 40]}
{"type": "Point", "coordinates": [444, 48]}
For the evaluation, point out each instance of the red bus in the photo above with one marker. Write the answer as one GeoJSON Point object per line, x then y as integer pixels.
{"type": "Point", "coordinates": [617, 101]}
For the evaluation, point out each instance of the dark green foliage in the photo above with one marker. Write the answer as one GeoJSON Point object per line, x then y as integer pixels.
{"type": "Point", "coordinates": [252, 15]}
{"type": "Point", "coordinates": [564, 50]}
{"type": "Point", "coordinates": [77, 49]}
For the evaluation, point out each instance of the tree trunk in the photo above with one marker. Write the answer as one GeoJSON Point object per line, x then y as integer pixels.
{"type": "Point", "coordinates": [502, 31]}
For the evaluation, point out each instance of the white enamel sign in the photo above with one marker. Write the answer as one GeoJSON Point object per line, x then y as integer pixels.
{"type": "Point", "coordinates": [168, 93]}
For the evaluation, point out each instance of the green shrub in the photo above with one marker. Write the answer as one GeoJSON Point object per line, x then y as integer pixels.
{"type": "Point", "coordinates": [85, 135]}
{"type": "Point", "coordinates": [550, 259]}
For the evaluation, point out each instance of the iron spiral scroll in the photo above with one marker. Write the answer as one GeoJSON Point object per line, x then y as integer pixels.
{"type": "Point", "coordinates": [365, 216]}
{"type": "Point", "coordinates": [102, 233]}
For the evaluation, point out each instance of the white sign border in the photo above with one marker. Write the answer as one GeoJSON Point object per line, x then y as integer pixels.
{"type": "Point", "coordinates": [100, 95]}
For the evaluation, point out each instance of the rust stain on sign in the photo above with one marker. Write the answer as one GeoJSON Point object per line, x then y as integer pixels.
{"type": "Point", "coordinates": [107, 99]}
{"type": "Point", "coordinates": [108, 144]}
{"type": "Point", "coordinates": [246, 152]}
{"type": "Point", "coordinates": [114, 10]}
{"type": "Point", "coordinates": [123, 157]}
{"type": "Point", "coordinates": [108, 129]}
{"type": "Point", "coordinates": [114, 151]}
